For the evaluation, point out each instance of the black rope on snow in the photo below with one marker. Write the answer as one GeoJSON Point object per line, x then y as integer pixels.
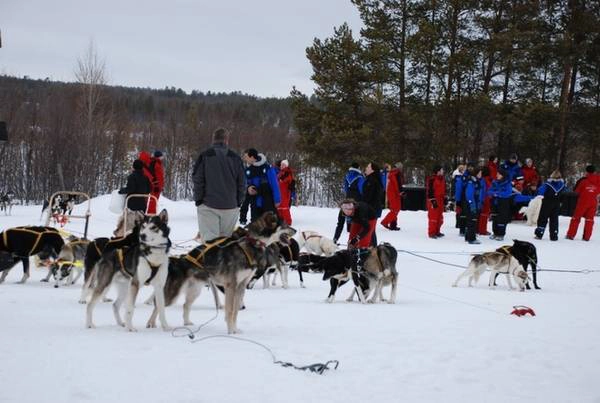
{"type": "Point", "coordinates": [184, 331]}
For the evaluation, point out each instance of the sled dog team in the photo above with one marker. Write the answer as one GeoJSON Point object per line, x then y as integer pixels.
{"type": "Point", "coordinates": [140, 256]}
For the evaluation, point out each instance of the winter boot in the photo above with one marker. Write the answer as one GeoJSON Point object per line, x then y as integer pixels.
{"type": "Point", "coordinates": [539, 232]}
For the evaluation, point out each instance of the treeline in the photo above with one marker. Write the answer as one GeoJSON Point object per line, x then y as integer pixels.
{"type": "Point", "coordinates": [443, 81]}
{"type": "Point", "coordinates": [84, 136]}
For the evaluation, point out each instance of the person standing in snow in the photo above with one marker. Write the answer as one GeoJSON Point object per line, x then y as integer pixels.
{"type": "Point", "coordinates": [484, 216]}
{"type": "Point", "coordinates": [219, 188]}
{"type": "Point", "coordinates": [395, 180]}
{"type": "Point", "coordinates": [158, 179]}
{"type": "Point", "coordinates": [551, 192]}
{"type": "Point", "coordinates": [146, 159]}
{"type": "Point", "coordinates": [588, 189]}
{"type": "Point", "coordinates": [372, 193]}
{"type": "Point", "coordinates": [474, 196]}
{"type": "Point", "coordinates": [262, 184]}
{"type": "Point", "coordinates": [501, 192]}
{"type": "Point", "coordinates": [436, 192]}
{"type": "Point", "coordinates": [285, 177]}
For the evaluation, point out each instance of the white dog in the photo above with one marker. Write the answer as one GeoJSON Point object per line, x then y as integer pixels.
{"type": "Point", "coordinates": [532, 210]}
{"type": "Point", "coordinates": [498, 263]}
{"type": "Point", "coordinates": [316, 244]}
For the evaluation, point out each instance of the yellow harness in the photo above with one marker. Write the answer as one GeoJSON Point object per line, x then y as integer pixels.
{"type": "Point", "coordinates": [197, 260]}
{"type": "Point", "coordinates": [37, 239]}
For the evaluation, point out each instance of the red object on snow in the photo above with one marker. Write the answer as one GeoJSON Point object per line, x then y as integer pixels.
{"type": "Point", "coordinates": [522, 310]}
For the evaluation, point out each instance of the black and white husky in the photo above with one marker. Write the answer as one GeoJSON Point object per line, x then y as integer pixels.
{"type": "Point", "coordinates": [68, 266]}
{"type": "Point", "coordinates": [146, 263]}
{"type": "Point", "coordinates": [498, 262]}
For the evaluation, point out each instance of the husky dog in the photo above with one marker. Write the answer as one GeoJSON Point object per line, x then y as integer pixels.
{"type": "Point", "coordinates": [70, 260]}
{"type": "Point", "coordinates": [308, 263]}
{"type": "Point", "coordinates": [146, 263]}
{"type": "Point", "coordinates": [338, 270]}
{"type": "Point", "coordinates": [62, 205]}
{"type": "Point", "coordinates": [188, 278]}
{"type": "Point", "coordinates": [316, 244]}
{"type": "Point", "coordinates": [498, 263]}
{"type": "Point", "coordinates": [6, 202]}
{"type": "Point", "coordinates": [17, 244]}
{"type": "Point", "coordinates": [379, 269]}
{"type": "Point", "coordinates": [526, 254]}
{"type": "Point", "coordinates": [233, 263]}
{"type": "Point", "coordinates": [99, 245]}
{"type": "Point", "coordinates": [532, 210]}
{"type": "Point", "coordinates": [271, 266]}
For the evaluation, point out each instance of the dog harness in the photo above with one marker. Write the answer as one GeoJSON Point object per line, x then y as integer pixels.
{"type": "Point", "coordinates": [306, 238]}
{"type": "Point", "coordinates": [197, 260]}
{"type": "Point", "coordinates": [37, 239]}
{"type": "Point", "coordinates": [153, 269]}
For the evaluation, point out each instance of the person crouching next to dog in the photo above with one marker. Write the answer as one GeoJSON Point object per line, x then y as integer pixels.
{"type": "Point", "coordinates": [473, 202]}
{"type": "Point", "coordinates": [436, 192]}
{"type": "Point", "coordinates": [362, 217]}
{"type": "Point", "coordinates": [137, 183]}
{"type": "Point", "coordinates": [551, 192]}
{"type": "Point", "coordinates": [501, 192]}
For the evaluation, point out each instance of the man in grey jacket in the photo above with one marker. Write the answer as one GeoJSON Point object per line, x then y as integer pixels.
{"type": "Point", "coordinates": [219, 188]}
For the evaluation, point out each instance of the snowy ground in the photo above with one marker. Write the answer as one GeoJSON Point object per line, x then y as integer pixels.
{"type": "Point", "coordinates": [437, 343]}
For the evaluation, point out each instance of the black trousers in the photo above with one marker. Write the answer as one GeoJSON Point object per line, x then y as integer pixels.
{"type": "Point", "coordinates": [500, 216]}
{"type": "Point", "coordinates": [472, 219]}
{"type": "Point", "coordinates": [461, 219]}
{"type": "Point", "coordinates": [548, 212]}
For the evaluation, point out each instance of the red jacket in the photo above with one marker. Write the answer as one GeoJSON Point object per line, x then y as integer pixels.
{"type": "Point", "coordinates": [285, 178]}
{"type": "Point", "coordinates": [588, 189]}
{"type": "Point", "coordinates": [394, 188]}
{"type": "Point", "coordinates": [159, 175]}
{"type": "Point", "coordinates": [436, 188]}
{"type": "Point", "coordinates": [146, 159]}
{"type": "Point", "coordinates": [530, 176]}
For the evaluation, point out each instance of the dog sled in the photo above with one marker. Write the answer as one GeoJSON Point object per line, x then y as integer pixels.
{"type": "Point", "coordinates": [61, 205]}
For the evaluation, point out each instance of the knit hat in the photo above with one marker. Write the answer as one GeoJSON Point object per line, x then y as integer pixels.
{"type": "Point", "coordinates": [513, 156]}
{"type": "Point", "coordinates": [436, 168]}
{"type": "Point", "coordinates": [590, 169]}
{"type": "Point", "coordinates": [251, 152]}
{"type": "Point", "coordinates": [158, 154]}
{"type": "Point", "coordinates": [138, 164]}
{"type": "Point", "coordinates": [285, 164]}
{"type": "Point", "coordinates": [503, 172]}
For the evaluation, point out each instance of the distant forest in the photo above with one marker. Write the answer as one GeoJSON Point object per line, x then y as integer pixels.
{"type": "Point", "coordinates": [84, 136]}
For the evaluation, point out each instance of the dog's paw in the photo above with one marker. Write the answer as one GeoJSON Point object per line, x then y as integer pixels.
{"type": "Point", "coordinates": [150, 325]}
{"type": "Point", "coordinates": [131, 329]}
{"type": "Point", "coordinates": [82, 301]}
{"type": "Point", "coordinates": [391, 302]}
{"type": "Point", "coordinates": [107, 300]}
{"type": "Point", "coordinates": [44, 280]}
{"type": "Point", "coordinates": [371, 301]}
{"type": "Point", "coordinates": [329, 300]}
{"type": "Point", "coordinates": [90, 326]}
{"type": "Point", "coordinates": [188, 323]}
{"type": "Point", "coordinates": [302, 285]}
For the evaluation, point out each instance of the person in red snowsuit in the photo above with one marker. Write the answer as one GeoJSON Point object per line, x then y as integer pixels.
{"type": "Point", "coordinates": [588, 189]}
{"type": "Point", "coordinates": [285, 178]}
{"type": "Point", "coordinates": [531, 179]}
{"type": "Point", "coordinates": [436, 192]}
{"type": "Point", "coordinates": [393, 192]}
{"type": "Point", "coordinates": [146, 159]}
{"type": "Point", "coordinates": [158, 183]}
{"type": "Point", "coordinates": [486, 209]}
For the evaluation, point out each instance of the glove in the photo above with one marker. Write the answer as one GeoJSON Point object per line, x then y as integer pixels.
{"type": "Point", "coordinates": [434, 203]}
{"type": "Point", "coordinates": [198, 202]}
{"type": "Point", "coordinates": [335, 241]}
{"type": "Point", "coordinates": [353, 242]}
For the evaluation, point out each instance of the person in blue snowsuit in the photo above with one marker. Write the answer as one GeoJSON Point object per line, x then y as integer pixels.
{"type": "Point", "coordinates": [501, 193]}
{"type": "Point", "coordinates": [551, 190]}
{"type": "Point", "coordinates": [262, 191]}
{"type": "Point", "coordinates": [514, 171]}
{"type": "Point", "coordinates": [474, 196]}
{"type": "Point", "coordinates": [459, 197]}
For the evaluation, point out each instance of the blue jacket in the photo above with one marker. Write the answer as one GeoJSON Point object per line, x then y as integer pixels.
{"type": "Point", "coordinates": [552, 189]}
{"type": "Point", "coordinates": [514, 170]}
{"type": "Point", "coordinates": [501, 189]}
{"type": "Point", "coordinates": [262, 176]}
{"type": "Point", "coordinates": [353, 183]}
{"type": "Point", "coordinates": [460, 186]}
{"type": "Point", "coordinates": [475, 193]}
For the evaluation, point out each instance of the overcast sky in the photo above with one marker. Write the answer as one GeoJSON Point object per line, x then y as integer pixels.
{"type": "Point", "coordinates": [254, 46]}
